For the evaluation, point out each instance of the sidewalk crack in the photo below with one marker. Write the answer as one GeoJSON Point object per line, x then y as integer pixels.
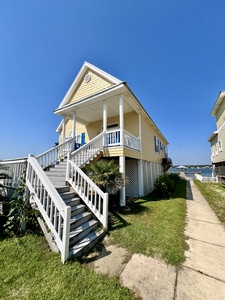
{"type": "Point", "coordinates": [191, 238]}
{"type": "Point", "coordinates": [175, 285]}
{"type": "Point", "coordinates": [200, 272]}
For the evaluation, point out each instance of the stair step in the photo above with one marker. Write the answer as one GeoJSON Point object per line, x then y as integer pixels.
{"type": "Point", "coordinates": [55, 174]}
{"type": "Point", "coordinates": [86, 243]}
{"type": "Point", "coordinates": [56, 171]}
{"type": "Point", "coordinates": [67, 195]}
{"type": "Point", "coordinates": [72, 201]}
{"type": "Point", "coordinates": [77, 209]}
{"type": "Point", "coordinates": [63, 189]}
{"type": "Point", "coordinates": [80, 219]}
{"type": "Point", "coordinates": [81, 231]}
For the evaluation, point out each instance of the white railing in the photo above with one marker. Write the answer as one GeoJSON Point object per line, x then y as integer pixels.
{"type": "Point", "coordinates": [113, 139]}
{"type": "Point", "coordinates": [85, 153]}
{"type": "Point", "coordinates": [131, 141]}
{"type": "Point", "coordinates": [14, 169]}
{"type": "Point", "coordinates": [56, 153]}
{"type": "Point", "coordinates": [53, 209]}
{"type": "Point", "coordinates": [205, 178]}
{"type": "Point", "coordinates": [91, 194]}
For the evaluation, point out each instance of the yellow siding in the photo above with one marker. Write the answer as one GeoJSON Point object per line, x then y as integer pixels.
{"type": "Point", "coordinates": [68, 128]}
{"type": "Point", "coordinates": [131, 123]}
{"type": "Point", "coordinates": [95, 85]}
{"type": "Point", "coordinates": [132, 153]}
{"type": "Point", "coordinates": [113, 151]}
{"type": "Point", "coordinates": [148, 145]}
{"type": "Point", "coordinates": [220, 115]}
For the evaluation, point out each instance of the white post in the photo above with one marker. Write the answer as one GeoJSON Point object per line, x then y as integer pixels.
{"type": "Point", "coordinates": [123, 190]}
{"type": "Point", "coordinates": [140, 132]}
{"type": "Point", "coordinates": [66, 232]}
{"type": "Point", "coordinates": [63, 129]}
{"type": "Point", "coordinates": [74, 131]}
{"type": "Point", "coordinates": [105, 210]}
{"type": "Point", "coordinates": [104, 121]}
{"type": "Point", "coordinates": [104, 116]}
{"type": "Point", "coordinates": [140, 177]}
{"type": "Point", "coordinates": [121, 111]}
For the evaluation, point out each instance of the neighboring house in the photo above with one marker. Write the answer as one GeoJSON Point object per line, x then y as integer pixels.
{"type": "Point", "coordinates": [97, 102]}
{"type": "Point", "coordinates": [217, 139]}
{"type": "Point", "coordinates": [102, 118]}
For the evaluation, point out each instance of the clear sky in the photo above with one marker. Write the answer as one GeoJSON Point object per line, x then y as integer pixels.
{"type": "Point", "coordinates": [170, 53]}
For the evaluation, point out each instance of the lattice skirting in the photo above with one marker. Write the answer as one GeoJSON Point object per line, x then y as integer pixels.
{"type": "Point", "coordinates": [132, 188]}
{"type": "Point", "coordinates": [150, 171]}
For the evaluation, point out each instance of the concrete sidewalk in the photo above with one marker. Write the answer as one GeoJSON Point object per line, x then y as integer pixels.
{"type": "Point", "coordinates": [201, 276]}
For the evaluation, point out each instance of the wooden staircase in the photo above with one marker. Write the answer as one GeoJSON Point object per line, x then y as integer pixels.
{"type": "Point", "coordinates": [85, 230]}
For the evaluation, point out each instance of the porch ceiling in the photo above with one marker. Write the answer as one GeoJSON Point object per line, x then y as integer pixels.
{"type": "Point", "coordinates": [91, 109]}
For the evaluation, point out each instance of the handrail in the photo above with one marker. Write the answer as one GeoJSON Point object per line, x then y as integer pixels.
{"type": "Point", "coordinates": [53, 209]}
{"type": "Point", "coordinates": [90, 193]}
{"type": "Point", "coordinates": [86, 152]}
{"type": "Point", "coordinates": [50, 157]}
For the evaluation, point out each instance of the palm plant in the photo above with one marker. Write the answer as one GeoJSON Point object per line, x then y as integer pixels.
{"type": "Point", "coordinates": [106, 175]}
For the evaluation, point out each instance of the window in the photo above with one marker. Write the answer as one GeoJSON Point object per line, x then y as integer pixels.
{"type": "Point", "coordinates": [156, 142]}
{"type": "Point", "coordinates": [220, 146]}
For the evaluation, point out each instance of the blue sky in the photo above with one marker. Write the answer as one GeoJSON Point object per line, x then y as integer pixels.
{"type": "Point", "coordinates": [170, 53]}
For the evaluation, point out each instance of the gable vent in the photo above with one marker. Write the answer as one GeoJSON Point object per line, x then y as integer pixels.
{"type": "Point", "coordinates": [87, 78]}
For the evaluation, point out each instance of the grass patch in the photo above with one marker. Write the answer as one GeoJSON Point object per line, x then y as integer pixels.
{"type": "Point", "coordinates": [28, 270]}
{"type": "Point", "coordinates": [214, 193]}
{"type": "Point", "coordinates": [154, 227]}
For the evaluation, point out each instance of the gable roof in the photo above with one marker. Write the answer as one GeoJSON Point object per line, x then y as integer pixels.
{"type": "Point", "coordinates": [79, 78]}
{"type": "Point", "coordinates": [219, 101]}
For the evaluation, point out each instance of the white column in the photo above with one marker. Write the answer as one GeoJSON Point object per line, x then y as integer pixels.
{"type": "Point", "coordinates": [104, 121]}
{"type": "Point", "coordinates": [123, 190]}
{"type": "Point", "coordinates": [63, 128]}
{"type": "Point", "coordinates": [140, 132]}
{"type": "Point", "coordinates": [121, 121]}
{"type": "Point", "coordinates": [74, 130]}
{"type": "Point", "coordinates": [104, 116]}
{"type": "Point", "coordinates": [140, 178]}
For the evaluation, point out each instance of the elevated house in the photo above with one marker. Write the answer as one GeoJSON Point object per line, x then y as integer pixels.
{"type": "Point", "coordinates": [217, 139]}
{"type": "Point", "coordinates": [101, 118]}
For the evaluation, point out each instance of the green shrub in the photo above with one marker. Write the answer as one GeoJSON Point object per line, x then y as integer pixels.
{"type": "Point", "coordinates": [19, 215]}
{"type": "Point", "coordinates": [164, 185]}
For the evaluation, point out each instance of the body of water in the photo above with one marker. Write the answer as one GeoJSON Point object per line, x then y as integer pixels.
{"type": "Point", "coordinates": [190, 172]}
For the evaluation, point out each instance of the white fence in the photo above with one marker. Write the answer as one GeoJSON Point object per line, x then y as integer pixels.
{"type": "Point", "coordinates": [13, 169]}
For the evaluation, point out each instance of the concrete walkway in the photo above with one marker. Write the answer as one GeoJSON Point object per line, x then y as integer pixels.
{"type": "Point", "coordinates": [201, 276]}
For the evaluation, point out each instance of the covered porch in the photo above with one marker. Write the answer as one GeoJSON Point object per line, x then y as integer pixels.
{"type": "Point", "coordinates": [114, 113]}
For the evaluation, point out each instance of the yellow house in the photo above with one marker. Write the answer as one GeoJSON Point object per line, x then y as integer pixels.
{"type": "Point", "coordinates": [98, 103]}
{"type": "Point", "coordinates": [101, 117]}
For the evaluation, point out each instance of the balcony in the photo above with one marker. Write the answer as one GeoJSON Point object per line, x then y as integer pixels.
{"type": "Point", "coordinates": [113, 139]}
